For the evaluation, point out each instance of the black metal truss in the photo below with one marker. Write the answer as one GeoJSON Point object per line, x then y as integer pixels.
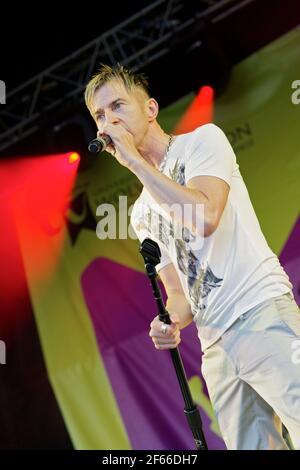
{"type": "Point", "coordinates": [136, 42]}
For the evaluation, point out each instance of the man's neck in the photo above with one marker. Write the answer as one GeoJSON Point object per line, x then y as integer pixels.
{"type": "Point", "coordinates": [154, 147]}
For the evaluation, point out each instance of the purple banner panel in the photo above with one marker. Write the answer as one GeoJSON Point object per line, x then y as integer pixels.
{"type": "Point", "coordinates": [121, 305]}
{"type": "Point", "coordinates": [290, 259]}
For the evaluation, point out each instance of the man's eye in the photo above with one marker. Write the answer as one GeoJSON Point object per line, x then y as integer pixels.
{"type": "Point", "coordinates": [117, 105]}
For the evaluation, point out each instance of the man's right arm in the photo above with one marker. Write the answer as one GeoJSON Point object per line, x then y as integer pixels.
{"type": "Point", "coordinates": [178, 308]}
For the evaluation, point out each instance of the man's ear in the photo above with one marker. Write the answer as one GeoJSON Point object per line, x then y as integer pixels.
{"type": "Point", "coordinates": [152, 109]}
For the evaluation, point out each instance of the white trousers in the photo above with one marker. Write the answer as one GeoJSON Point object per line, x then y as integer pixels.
{"type": "Point", "coordinates": [253, 376]}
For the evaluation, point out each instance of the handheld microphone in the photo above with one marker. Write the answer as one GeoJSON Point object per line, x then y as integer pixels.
{"type": "Point", "coordinates": [99, 144]}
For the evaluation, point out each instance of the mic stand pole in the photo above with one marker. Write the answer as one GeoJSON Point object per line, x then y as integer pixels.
{"type": "Point", "coordinates": [151, 254]}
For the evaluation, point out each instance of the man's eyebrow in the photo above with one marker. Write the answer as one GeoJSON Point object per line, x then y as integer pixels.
{"type": "Point", "coordinates": [100, 110]}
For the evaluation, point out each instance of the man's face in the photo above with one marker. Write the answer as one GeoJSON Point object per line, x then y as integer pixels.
{"type": "Point", "coordinates": [113, 104]}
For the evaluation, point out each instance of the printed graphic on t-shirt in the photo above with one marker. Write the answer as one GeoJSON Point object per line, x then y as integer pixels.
{"type": "Point", "coordinates": [201, 279]}
{"type": "Point", "coordinates": [178, 173]}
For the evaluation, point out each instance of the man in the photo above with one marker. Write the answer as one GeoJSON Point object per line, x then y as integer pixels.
{"type": "Point", "coordinates": [220, 273]}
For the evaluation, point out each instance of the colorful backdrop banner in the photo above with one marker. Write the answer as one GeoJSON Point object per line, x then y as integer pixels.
{"type": "Point", "coordinates": [93, 309]}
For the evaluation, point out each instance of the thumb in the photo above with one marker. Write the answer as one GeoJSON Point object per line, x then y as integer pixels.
{"type": "Point", "coordinates": [175, 318]}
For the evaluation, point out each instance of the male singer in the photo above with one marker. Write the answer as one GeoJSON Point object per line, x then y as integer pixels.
{"type": "Point", "coordinates": [219, 273]}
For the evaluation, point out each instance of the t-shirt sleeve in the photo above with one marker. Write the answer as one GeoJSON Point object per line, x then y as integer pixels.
{"type": "Point", "coordinates": [210, 154]}
{"type": "Point", "coordinates": [141, 232]}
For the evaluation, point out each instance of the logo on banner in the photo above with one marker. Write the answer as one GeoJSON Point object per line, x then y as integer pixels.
{"type": "Point", "coordinates": [241, 137]}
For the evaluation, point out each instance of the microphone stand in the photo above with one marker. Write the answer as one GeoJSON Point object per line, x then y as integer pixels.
{"type": "Point", "coordinates": [151, 254]}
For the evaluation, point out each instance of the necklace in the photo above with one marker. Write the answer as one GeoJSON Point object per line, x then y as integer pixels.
{"type": "Point", "coordinates": [163, 163]}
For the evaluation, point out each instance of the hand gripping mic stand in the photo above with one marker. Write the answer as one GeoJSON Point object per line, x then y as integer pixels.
{"type": "Point", "coordinates": [151, 254]}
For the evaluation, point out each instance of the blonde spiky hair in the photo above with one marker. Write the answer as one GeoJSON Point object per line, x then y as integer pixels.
{"type": "Point", "coordinates": [106, 73]}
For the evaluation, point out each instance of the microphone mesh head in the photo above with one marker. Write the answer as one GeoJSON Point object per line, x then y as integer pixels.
{"type": "Point", "coordinates": [94, 146]}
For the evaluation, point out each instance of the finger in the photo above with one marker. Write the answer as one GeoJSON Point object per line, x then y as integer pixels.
{"type": "Point", "coordinates": [158, 333]}
{"type": "Point", "coordinates": [164, 341]}
{"type": "Point", "coordinates": [111, 149]}
{"type": "Point", "coordinates": [166, 346]}
{"type": "Point", "coordinates": [158, 325]}
{"type": "Point", "coordinates": [154, 322]}
{"type": "Point", "coordinates": [159, 337]}
{"type": "Point", "coordinates": [174, 318]}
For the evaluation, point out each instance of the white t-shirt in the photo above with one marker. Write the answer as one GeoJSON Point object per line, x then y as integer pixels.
{"type": "Point", "coordinates": [233, 269]}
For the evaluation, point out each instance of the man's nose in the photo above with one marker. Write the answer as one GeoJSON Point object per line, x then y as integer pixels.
{"type": "Point", "coordinates": [109, 118]}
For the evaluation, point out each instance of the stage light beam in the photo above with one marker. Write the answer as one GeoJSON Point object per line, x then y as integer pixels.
{"type": "Point", "coordinates": [199, 112]}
